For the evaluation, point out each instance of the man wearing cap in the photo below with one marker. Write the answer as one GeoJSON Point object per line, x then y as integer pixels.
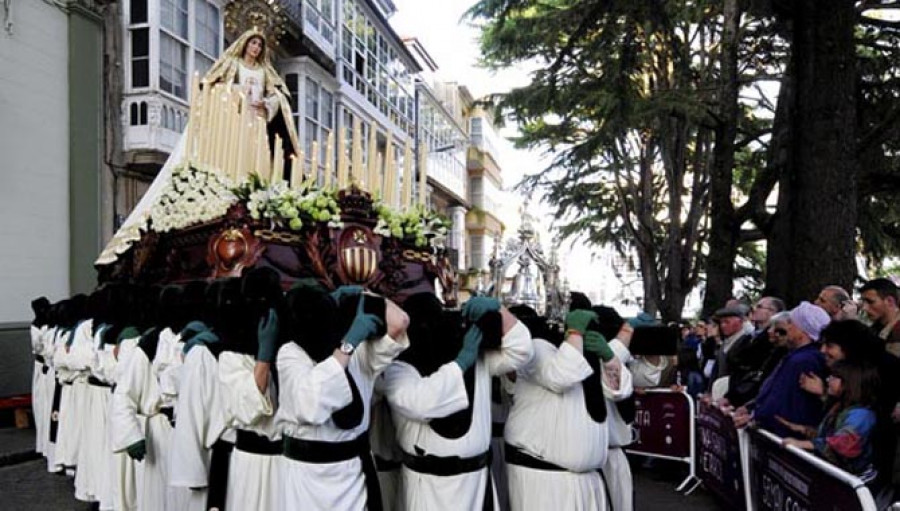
{"type": "Point", "coordinates": [781, 395]}
{"type": "Point", "coordinates": [731, 328]}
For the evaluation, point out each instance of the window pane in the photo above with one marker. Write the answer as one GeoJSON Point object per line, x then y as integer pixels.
{"type": "Point", "coordinates": [172, 66]}
{"type": "Point", "coordinates": [140, 42]}
{"type": "Point", "coordinates": [140, 73]}
{"type": "Point", "coordinates": [138, 11]}
{"type": "Point", "coordinates": [201, 63]}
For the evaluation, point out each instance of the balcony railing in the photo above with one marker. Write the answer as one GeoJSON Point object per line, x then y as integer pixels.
{"type": "Point", "coordinates": [449, 171]}
{"type": "Point", "coordinates": [152, 122]}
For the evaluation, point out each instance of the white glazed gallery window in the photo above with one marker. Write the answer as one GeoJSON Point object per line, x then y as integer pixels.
{"type": "Point", "coordinates": [319, 15]}
{"type": "Point", "coordinates": [318, 117]}
{"type": "Point", "coordinates": [207, 36]}
{"type": "Point", "coordinates": [172, 66]}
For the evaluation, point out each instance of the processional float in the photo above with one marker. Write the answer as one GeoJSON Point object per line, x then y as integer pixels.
{"type": "Point", "coordinates": [222, 203]}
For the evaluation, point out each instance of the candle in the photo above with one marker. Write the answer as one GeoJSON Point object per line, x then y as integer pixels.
{"type": "Point", "coordinates": [372, 175]}
{"type": "Point", "coordinates": [314, 159]}
{"type": "Point", "coordinates": [390, 173]}
{"type": "Point", "coordinates": [379, 172]}
{"type": "Point", "coordinates": [242, 143]}
{"type": "Point", "coordinates": [234, 135]}
{"type": "Point", "coordinates": [341, 160]}
{"type": "Point", "coordinates": [407, 176]}
{"type": "Point", "coordinates": [356, 170]}
{"type": "Point", "coordinates": [423, 172]}
{"type": "Point", "coordinates": [278, 162]}
{"type": "Point", "coordinates": [192, 118]}
{"type": "Point", "coordinates": [262, 151]}
{"type": "Point", "coordinates": [297, 171]}
{"type": "Point", "coordinates": [329, 159]}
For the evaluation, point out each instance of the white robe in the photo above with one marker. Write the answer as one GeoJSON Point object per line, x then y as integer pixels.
{"type": "Point", "coordinates": [135, 414]}
{"type": "Point", "coordinates": [416, 400]}
{"type": "Point", "coordinates": [124, 469]}
{"type": "Point", "coordinates": [310, 393]}
{"type": "Point", "coordinates": [73, 365]}
{"type": "Point", "coordinates": [201, 421]}
{"type": "Point", "coordinates": [549, 421]}
{"type": "Point", "coordinates": [253, 479]}
{"type": "Point", "coordinates": [56, 336]}
{"type": "Point", "coordinates": [38, 391]}
{"type": "Point", "coordinates": [94, 474]}
{"type": "Point", "coordinates": [616, 470]}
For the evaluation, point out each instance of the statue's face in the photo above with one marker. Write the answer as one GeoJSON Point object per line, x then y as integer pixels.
{"type": "Point", "coordinates": [254, 48]}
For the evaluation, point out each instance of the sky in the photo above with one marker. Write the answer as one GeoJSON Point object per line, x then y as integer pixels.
{"type": "Point", "coordinates": [453, 45]}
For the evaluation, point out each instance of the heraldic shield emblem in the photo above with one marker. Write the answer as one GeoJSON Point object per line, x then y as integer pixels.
{"type": "Point", "coordinates": [359, 255]}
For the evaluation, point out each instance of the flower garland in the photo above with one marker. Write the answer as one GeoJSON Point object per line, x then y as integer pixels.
{"type": "Point", "coordinates": [416, 226]}
{"type": "Point", "coordinates": [193, 195]}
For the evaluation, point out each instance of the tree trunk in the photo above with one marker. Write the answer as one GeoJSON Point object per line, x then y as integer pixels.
{"type": "Point", "coordinates": [816, 235]}
{"type": "Point", "coordinates": [724, 230]}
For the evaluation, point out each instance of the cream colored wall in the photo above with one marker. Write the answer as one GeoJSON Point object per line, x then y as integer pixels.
{"type": "Point", "coordinates": [34, 158]}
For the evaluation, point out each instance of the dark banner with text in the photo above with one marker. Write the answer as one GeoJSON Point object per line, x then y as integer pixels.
{"type": "Point", "coordinates": [718, 462]}
{"type": "Point", "coordinates": [784, 480]}
{"type": "Point", "coordinates": [662, 422]}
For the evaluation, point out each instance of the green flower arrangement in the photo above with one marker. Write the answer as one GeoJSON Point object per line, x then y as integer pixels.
{"type": "Point", "coordinates": [416, 226]}
{"type": "Point", "coordinates": [292, 209]}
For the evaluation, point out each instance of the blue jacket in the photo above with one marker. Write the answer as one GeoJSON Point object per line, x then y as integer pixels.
{"type": "Point", "coordinates": [781, 394]}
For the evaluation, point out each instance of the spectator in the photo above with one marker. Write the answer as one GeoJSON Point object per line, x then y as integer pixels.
{"type": "Point", "coordinates": [880, 298]}
{"type": "Point", "coordinates": [748, 355]}
{"type": "Point", "coordinates": [844, 436]}
{"type": "Point", "coordinates": [731, 327]}
{"type": "Point", "coordinates": [781, 394]}
{"type": "Point", "coordinates": [837, 303]}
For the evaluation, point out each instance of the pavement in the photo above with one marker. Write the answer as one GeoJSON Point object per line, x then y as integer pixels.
{"type": "Point", "coordinates": [26, 484]}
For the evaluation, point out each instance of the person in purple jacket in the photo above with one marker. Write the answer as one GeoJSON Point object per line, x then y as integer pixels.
{"type": "Point", "coordinates": [781, 394]}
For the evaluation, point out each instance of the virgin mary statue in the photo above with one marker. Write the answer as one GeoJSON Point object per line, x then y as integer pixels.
{"type": "Point", "coordinates": [246, 66]}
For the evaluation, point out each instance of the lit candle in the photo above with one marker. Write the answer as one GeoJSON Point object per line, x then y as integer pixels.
{"type": "Point", "coordinates": [341, 160]}
{"type": "Point", "coordinates": [205, 129]}
{"type": "Point", "coordinates": [356, 170]}
{"type": "Point", "coordinates": [423, 172]}
{"type": "Point", "coordinates": [329, 159]}
{"type": "Point", "coordinates": [372, 177]}
{"type": "Point", "coordinates": [407, 176]}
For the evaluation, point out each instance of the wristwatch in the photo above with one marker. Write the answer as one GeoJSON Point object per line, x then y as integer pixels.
{"type": "Point", "coordinates": [346, 348]}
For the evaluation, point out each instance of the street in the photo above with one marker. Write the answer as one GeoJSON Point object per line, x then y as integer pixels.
{"type": "Point", "coordinates": [28, 485]}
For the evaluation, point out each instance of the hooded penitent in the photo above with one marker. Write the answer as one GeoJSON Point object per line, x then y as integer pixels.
{"type": "Point", "coordinates": [540, 328]}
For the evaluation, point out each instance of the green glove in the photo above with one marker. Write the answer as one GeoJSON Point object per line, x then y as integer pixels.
{"type": "Point", "coordinates": [364, 326]}
{"type": "Point", "coordinates": [344, 292]}
{"type": "Point", "coordinates": [579, 320]}
{"type": "Point", "coordinates": [204, 337]}
{"type": "Point", "coordinates": [129, 332]}
{"type": "Point", "coordinates": [478, 306]}
{"type": "Point", "coordinates": [267, 334]}
{"type": "Point", "coordinates": [137, 450]}
{"type": "Point", "coordinates": [469, 352]}
{"type": "Point", "coordinates": [595, 343]}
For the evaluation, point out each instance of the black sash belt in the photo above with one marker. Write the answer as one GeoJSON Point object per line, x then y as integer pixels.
{"type": "Point", "coordinates": [66, 383]}
{"type": "Point", "coordinates": [497, 429]}
{"type": "Point", "coordinates": [39, 359]}
{"type": "Point", "coordinates": [314, 451]}
{"type": "Point", "coordinates": [169, 412]}
{"type": "Point", "coordinates": [446, 466]}
{"type": "Point", "coordinates": [45, 369]}
{"type": "Point", "coordinates": [218, 474]}
{"type": "Point", "coordinates": [98, 383]}
{"type": "Point", "coordinates": [516, 456]}
{"type": "Point", "coordinates": [248, 441]}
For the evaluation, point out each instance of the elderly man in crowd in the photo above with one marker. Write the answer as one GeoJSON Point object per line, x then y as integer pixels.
{"type": "Point", "coordinates": [747, 356]}
{"type": "Point", "coordinates": [781, 394]}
